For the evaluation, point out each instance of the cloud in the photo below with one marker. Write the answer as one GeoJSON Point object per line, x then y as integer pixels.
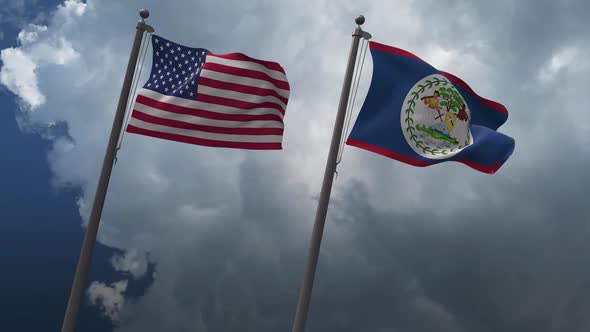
{"type": "Point", "coordinates": [31, 34]}
{"type": "Point", "coordinates": [131, 262]}
{"type": "Point", "coordinates": [19, 76]}
{"type": "Point", "coordinates": [109, 299]}
{"type": "Point", "coordinates": [558, 61]}
{"type": "Point", "coordinates": [406, 249]}
{"type": "Point", "coordinates": [38, 48]}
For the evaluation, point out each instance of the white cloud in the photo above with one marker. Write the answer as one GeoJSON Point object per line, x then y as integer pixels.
{"type": "Point", "coordinates": [109, 299]}
{"type": "Point", "coordinates": [168, 198]}
{"type": "Point", "coordinates": [73, 7]}
{"type": "Point", "coordinates": [30, 34]}
{"type": "Point", "coordinates": [560, 60]}
{"type": "Point", "coordinates": [132, 262]}
{"type": "Point", "coordinates": [18, 75]}
{"type": "Point", "coordinates": [39, 48]}
{"type": "Point", "coordinates": [214, 220]}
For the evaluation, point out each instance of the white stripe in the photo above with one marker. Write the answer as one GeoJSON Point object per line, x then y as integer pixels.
{"type": "Point", "coordinates": [203, 89]}
{"type": "Point", "coordinates": [206, 106]}
{"type": "Point", "coordinates": [205, 135]}
{"type": "Point", "coordinates": [277, 75]}
{"type": "Point", "coordinates": [204, 121]}
{"type": "Point", "coordinates": [244, 81]}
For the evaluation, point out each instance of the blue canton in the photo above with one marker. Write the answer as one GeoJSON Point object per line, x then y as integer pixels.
{"type": "Point", "coordinates": [175, 68]}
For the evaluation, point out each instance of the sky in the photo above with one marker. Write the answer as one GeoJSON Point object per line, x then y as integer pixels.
{"type": "Point", "coordinates": [40, 233]}
{"type": "Point", "coordinates": [202, 239]}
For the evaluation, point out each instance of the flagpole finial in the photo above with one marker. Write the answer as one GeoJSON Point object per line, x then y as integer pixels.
{"type": "Point", "coordinates": [144, 13]}
{"type": "Point", "coordinates": [360, 20]}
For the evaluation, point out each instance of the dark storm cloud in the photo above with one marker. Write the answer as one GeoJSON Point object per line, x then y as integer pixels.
{"type": "Point", "coordinates": [511, 264]}
{"type": "Point", "coordinates": [241, 275]}
{"type": "Point", "coordinates": [516, 265]}
{"type": "Point", "coordinates": [510, 259]}
{"type": "Point", "coordinates": [516, 33]}
{"type": "Point", "coordinates": [405, 249]}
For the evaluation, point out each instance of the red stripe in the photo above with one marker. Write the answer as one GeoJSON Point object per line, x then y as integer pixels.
{"type": "Point", "coordinates": [243, 57]}
{"type": "Point", "coordinates": [205, 142]}
{"type": "Point", "coordinates": [482, 168]}
{"type": "Point", "coordinates": [417, 162]}
{"type": "Point", "coordinates": [393, 50]}
{"type": "Point", "coordinates": [241, 88]}
{"type": "Point", "coordinates": [456, 80]}
{"type": "Point", "coordinates": [245, 73]}
{"type": "Point", "coordinates": [237, 103]}
{"type": "Point", "coordinates": [204, 113]}
{"type": "Point", "coordinates": [490, 103]}
{"type": "Point", "coordinates": [210, 129]}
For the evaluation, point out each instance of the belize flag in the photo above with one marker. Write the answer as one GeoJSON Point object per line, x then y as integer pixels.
{"type": "Point", "coordinates": [422, 116]}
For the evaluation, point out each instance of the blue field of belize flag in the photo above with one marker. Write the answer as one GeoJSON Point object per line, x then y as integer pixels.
{"type": "Point", "coordinates": [422, 116]}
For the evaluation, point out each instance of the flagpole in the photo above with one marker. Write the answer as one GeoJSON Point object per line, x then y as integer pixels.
{"type": "Point", "coordinates": [83, 268]}
{"type": "Point", "coordinates": [322, 209]}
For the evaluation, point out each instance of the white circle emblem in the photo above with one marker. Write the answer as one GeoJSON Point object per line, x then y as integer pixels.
{"type": "Point", "coordinates": [435, 118]}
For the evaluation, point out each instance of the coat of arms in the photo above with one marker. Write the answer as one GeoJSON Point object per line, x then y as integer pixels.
{"type": "Point", "coordinates": [435, 118]}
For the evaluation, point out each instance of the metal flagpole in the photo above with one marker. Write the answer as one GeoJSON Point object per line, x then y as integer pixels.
{"type": "Point", "coordinates": [322, 210]}
{"type": "Point", "coordinates": [83, 267]}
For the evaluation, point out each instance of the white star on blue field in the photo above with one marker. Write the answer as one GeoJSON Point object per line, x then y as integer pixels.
{"type": "Point", "coordinates": [194, 238]}
{"type": "Point", "coordinates": [175, 69]}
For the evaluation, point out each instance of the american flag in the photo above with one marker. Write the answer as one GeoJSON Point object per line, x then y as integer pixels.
{"type": "Point", "coordinates": [219, 100]}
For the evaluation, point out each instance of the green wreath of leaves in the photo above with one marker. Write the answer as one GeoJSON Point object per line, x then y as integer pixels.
{"type": "Point", "coordinates": [410, 110]}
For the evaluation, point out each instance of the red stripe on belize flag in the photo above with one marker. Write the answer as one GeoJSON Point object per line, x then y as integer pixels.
{"type": "Point", "coordinates": [217, 100]}
{"type": "Point", "coordinates": [417, 162]}
{"type": "Point", "coordinates": [456, 80]}
{"type": "Point", "coordinates": [422, 116]}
